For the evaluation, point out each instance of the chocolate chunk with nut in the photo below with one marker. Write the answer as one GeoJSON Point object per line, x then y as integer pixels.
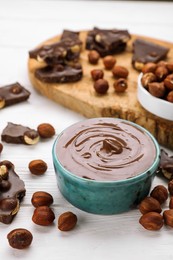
{"type": "Point", "coordinates": [19, 134]}
{"type": "Point", "coordinates": [166, 165]}
{"type": "Point", "coordinates": [107, 42]}
{"type": "Point", "coordinates": [13, 94]}
{"type": "Point", "coordinates": [146, 51]}
{"type": "Point", "coordinates": [12, 191]}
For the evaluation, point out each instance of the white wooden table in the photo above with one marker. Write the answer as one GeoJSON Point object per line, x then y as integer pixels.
{"type": "Point", "coordinates": [23, 25]}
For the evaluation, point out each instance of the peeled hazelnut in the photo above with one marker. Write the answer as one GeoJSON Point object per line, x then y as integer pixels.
{"type": "Point", "coordinates": [101, 86]}
{"type": "Point", "coordinates": [93, 57]}
{"type": "Point", "coordinates": [20, 238]}
{"type": "Point", "coordinates": [149, 67]}
{"type": "Point", "coordinates": [149, 204]}
{"type": "Point", "coordinates": [168, 217]}
{"type": "Point", "coordinates": [168, 82]}
{"type": "Point", "coordinates": [109, 62]}
{"type": "Point", "coordinates": [161, 72]}
{"type": "Point", "coordinates": [37, 167]}
{"type": "Point", "coordinates": [120, 72]}
{"type": "Point", "coordinates": [170, 67]}
{"type": "Point", "coordinates": [41, 198]}
{"type": "Point", "coordinates": [120, 85]}
{"type": "Point", "coordinates": [43, 216]}
{"type": "Point", "coordinates": [1, 147]}
{"type": "Point", "coordinates": [147, 78]}
{"type": "Point", "coordinates": [160, 193]}
{"type": "Point", "coordinates": [151, 221]}
{"type": "Point", "coordinates": [171, 203]}
{"type": "Point", "coordinates": [156, 89]}
{"type": "Point", "coordinates": [31, 137]}
{"type": "Point", "coordinates": [97, 74]}
{"type": "Point", "coordinates": [138, 65]}
{"type": "Point", "coordinates": [46, 130]}
{"type": "Point", "coordinates": [3, 172]}
{"type": "Point", "coordinates": [67, 221]}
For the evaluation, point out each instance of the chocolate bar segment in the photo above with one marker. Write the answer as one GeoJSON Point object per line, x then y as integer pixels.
{"type": "Point", "coordinates": [107, 42]}
{"type": "Point", "coordinates": [19, 134]}
{"type": "Point", "coordinates": [12, 191]}
{"type": "Point", "coordinates": [13, 94]}
{"type": "Point", "coordinates": [145, 51]}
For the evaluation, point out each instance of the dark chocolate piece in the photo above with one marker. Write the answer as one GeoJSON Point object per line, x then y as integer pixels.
{"type": "Point", "coordinates": [166, 165]}
{"type": "Point", "coordinates": [18, 134]}
{"type": "Point", "coordinates": [13, 94]}
{"type": "Point", "coordinates": [12, 191]}
{"type": "Point", "coordinates": [145, 51]}
{"type": "Point", "coordinates": [59, 73]}
{"type": "Point", "coordinates": [107, 42]}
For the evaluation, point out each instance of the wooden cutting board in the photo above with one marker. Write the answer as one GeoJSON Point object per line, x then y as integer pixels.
{"type": "Point", "coordinates": [81, 96]}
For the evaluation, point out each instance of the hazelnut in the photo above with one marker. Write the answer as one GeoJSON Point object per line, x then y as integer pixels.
{"type": "Point", "coordinates": [109, 62]}
{"type": "Point", "coordinates": [4, 185]}
{"type": "Point", "coordinates": [3, 172]}
{"type": "Point", "coordinates": [168, 217]}
{"type": "Point", "coordinates": [1, 147]}
{"type": "Point", "coordinates": [120, 72]}
{"type": "Point", "coordinates": [171, 203]}
{"type": "Point", "coordinates": [148, 77]}
{"type": "Point", "coordinates": [149, 204]}
{"type": "Point", "coordinates": [46, 130]}
{"type": "Point", "coordinates": [170, 96]}
{"type": "Point", "coordinates": [9, 204]}
{"type": "Point", "coordinates": [43, 216]}
{"type": "Point", "coordinates": [101, 86]}
{"type": "Point", "coordinates": [93, 57]}
{"type": "Point", "coordinates": [31, 137]}
{"type": "Point", "coordinates": [20, 238]}
{"type": "Point", "coordinates": [37, 167]}
{"type": "Point", "coordinates": [97, 74]}
{"type": "Point", "coordinates": [2, 102]}
{"type": "Point", "coordinates": [138, 65]}
{"type": "Point", "coordinates": [168, 82]}
{"type": "Point", "coordinates": [149, 67]}
{"type": "Point", "coordinates": [160, 193]}
{"type": "Point", "coordinates": [16, 89]}
{"type": "Point", "coordinates": [170, 67]}
{"type": "Point", "coordinates": [156, 89]}
{"type": "Point", "coordinates": [161, 72]}
{"type": "Point", "coordinates": [170, 187]}
{"type": "Point", "coordinates": [120, 85]}
{"type": "Point", "coordinates": [41, 198]}
{"type": "Point", "coordinates": [67, 221]}
{"type": "Point", "coordinates": [162, 63]}
{"type": "Point", "coordinates": [151, 221]}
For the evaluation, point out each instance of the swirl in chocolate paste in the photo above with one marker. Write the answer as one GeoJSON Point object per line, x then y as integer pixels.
{"type": "Point", "coordinates": [105, 150]}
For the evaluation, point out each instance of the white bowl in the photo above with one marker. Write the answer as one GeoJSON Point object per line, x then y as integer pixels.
{"type": "Point", "coordinates": [156, 106]}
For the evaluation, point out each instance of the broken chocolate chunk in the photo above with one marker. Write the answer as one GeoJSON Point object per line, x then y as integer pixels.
{"type": "Point", "coordinates": [107, 42]}
{"type": "Point", "coordinates": [13, 94]}
{"type": "Point", "coordinates": [59, 73]}
{"type": "Point", "coordinates": [12, 191]}
{"type": "Point", "coordinates": [18, 134]}
{"type": "Point", "coordinates": [145, 51]}
{"type": "Point", "coordinates": [166, 165]}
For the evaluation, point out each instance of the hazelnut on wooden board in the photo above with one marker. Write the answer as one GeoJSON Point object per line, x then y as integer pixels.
{"type": "Point", "coordinates": [120, 72]}
{"type": "Point", "coordinates": [160, 193]}
{"type": "Point", "coordinates": [43, 216]}
{"type": "Point", "coordinates": [67, 221]}
{"type": "Point", "coordinates": [101, 86]}
{"type": "Point", "coordinates": [168, 217]}
{"type": "Point", "coordinates": [46, 130]}
{"type": "Point", "coordinates": [41, 198]}
{"type": "Point", "coordinates": [109, 62]}
{"type": "Point", "coordinates": [97, 74]}
{"type": "Point", "coordinates": [157, 89]}
{"type": "Point", "coordinates": [149, 204]}
{"type": "Point", "coordinates": [120, 85]}
{"type": "Point", "coordinates": [151, 221]}
{"type": "Point", "coordinates": [149, 67]}
{"type": "Point", "coordinates": [20, 238]}
{"type": "Point", "coordinates": [93, 57]}
{"type": "Point", "coordinates": [37, 167]}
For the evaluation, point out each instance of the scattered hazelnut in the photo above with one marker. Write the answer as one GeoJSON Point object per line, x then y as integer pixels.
{"type": "Point", "coordinates": [41, 198]}
{"type": "Point", "coordinates": [1, 147]}
{"type": "Point", "coordinates": [101, 86]}
{"type": "Point", "coordinates": [43, 216]}
{"type": "Point", "coordinates": [149, 67]}
{"type": "Point", "coordinates": [171, 203]}
{"type": "Point", "coordinates": [120, 85]}
{"type": "Point", "coordinates": [149, 204]}
{"type": "Point", "coordinates": [109, 62]}
{"type": "Point", "coordinates": [170, 67]}
{"type": "Point", "coordinates": [168, 217]}
{"type": "Point", "coordinates": [161, 72]}
{"type": "Point", "coordinates": [120, 72]}
{"type": "Point", "coordinates": [37, 167]}
{"type": "Point", "coordinates": [156, 89]}
{"type": "Point", "coordinates": [31, 137]}
{"type": "Point", "coordinates": [97, 74]}
{"type": "Point", "coordinates": [67, 221]}
{"type": "Point", "coordinates": [19, 238]}
{"type": "Point", "coordinates": [160, 193]}
{"type": "Point", "coordinates": [46, 130]}
{"type": "Point", "coordinates": [93, 57]}
{"type": "Point", "coordinates": [148, 77]}
{"type": "Point", "coordinates": [168, 82]}
{"type": "Point", "coordinates": [170, 187]}
{"type": "Point", "coordinates": [151, 221]}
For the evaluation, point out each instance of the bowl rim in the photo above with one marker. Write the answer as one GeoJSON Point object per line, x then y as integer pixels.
{"type": "Point", "coordinates": [123, 181]}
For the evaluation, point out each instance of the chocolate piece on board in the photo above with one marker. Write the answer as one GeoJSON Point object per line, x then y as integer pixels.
{"type": "Point", "coordinates": [12, 191]}
{"type": "Point", "coordinates": [13, 94]}
{"type": "Point", "coordinates": [145, 51]}
{"type": "Point", "coordinates": [166, 165]}
{"type": "Point", "coordinates": [107, 42]}
{"type": "Point", "coordinates": [59, 73]}
{"type": "Point", "coordinates": [19, 134]}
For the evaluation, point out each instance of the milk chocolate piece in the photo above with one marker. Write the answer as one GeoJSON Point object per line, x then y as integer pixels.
{"type": "Point", "coordinates": [145, 51]}
{"type": "Point", "coordinates": [59, 73]}
{"type": "Point", "coordinates": [18, 134]}
{"type": "Point", "coordinates": [107, 42]}
{"type": "Point", "coordinates": [13, 94]}
{"type": "Point", "coordinates": [12, 191]}
{"type": "Point", "coordinates": [166, 165]}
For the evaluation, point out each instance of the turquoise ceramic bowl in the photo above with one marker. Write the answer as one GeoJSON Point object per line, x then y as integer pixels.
{"type": "Point", "coordinates": [105, 197]}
